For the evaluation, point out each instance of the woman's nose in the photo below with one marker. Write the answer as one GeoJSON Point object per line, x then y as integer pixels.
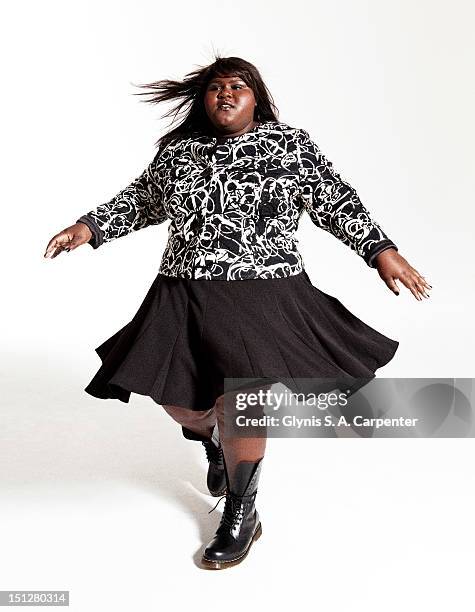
{"type": "Point", "coordinates": [224, 93]}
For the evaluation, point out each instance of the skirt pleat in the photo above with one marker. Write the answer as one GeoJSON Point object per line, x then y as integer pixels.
{"type": "Point", "coordinates": [188, 335]}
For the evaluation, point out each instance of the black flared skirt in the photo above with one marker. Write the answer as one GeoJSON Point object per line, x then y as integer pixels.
{"type": "Point", "coordinates": [190, 335]}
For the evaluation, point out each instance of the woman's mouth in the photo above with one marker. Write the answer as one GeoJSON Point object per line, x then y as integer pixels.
{"type": "Point", "coordinates": [225, 107]}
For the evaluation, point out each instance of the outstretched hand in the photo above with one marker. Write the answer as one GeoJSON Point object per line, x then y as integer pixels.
{"type": "Point", "coordinates": [68, 240]}
{"type": "Point", "coordinates": [392, 266]}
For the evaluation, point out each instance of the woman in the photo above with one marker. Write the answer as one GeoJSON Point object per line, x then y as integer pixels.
{"type": "Point", "coordinates": [232, 299]}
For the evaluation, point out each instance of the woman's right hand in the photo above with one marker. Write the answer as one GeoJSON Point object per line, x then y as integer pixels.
{"type": "Point", "coordinates": [68, 240]}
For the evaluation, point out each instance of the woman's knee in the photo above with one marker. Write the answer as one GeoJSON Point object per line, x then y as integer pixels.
{"type": "Point", "coordinates": [186, 416]}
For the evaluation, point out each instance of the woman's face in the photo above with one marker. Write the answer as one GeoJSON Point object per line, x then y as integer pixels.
{"type": "Point", "coordinates": [230, 104]}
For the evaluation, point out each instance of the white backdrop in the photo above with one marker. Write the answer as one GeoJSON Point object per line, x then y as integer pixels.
{"type": "Point", "coordinates": [94, 491]}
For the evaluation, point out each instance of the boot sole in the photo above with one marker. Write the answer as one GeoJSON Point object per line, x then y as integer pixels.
{"type": "Point", "coordinates": [217, 565]}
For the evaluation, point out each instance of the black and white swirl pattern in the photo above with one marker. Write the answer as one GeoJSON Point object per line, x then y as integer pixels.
{"type": "Point", "coordinates": [234, 205]}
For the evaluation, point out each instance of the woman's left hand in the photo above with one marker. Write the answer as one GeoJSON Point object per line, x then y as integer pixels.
{"type": "Point", "coordinates": [392, 266]}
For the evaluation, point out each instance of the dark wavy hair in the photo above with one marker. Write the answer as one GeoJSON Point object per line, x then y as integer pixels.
{"type": "Point", "coordinates": [190, 93]}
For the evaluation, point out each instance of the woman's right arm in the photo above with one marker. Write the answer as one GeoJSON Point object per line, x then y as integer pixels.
{"type": "Point", "coordinates": [137, 206]}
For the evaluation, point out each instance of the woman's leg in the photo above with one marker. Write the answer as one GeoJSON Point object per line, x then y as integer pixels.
{"type": "Point", "coordinates": [240, 523]}
{"type": "Point", "coordinates": [201, 422]}
{"type": "Point", "coordinates": [200, 425]}
{"type": "Point", "coordinates": [237, 449]}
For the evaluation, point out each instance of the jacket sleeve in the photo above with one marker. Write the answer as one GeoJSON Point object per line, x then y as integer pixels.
{"type": "Point", "coordinates": [334, 205]}
{"type": "Point", "coordinates": [138, 205]}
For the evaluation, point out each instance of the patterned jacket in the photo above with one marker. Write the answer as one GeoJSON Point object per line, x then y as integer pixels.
{"type": "Point", "coordinates": [234, 205]}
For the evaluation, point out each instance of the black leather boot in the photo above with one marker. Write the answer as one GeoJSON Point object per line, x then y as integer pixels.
{"type": "Point", "coordinates": [240, 524]}
{"type": "Point", "coordinates": [216, 478]}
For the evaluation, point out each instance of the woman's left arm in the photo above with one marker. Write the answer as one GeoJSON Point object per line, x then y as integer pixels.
{"type": "Point", "coordinates": [334, 206]}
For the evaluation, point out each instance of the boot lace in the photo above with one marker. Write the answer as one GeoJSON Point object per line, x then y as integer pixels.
{"type": "Point", "coordinates": [234, 507]}
{"type": "Point", "coordinates": [214, 453]}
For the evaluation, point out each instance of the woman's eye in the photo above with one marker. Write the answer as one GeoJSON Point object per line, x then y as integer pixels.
{"type": "Point", "coordinates": [237, 85]}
